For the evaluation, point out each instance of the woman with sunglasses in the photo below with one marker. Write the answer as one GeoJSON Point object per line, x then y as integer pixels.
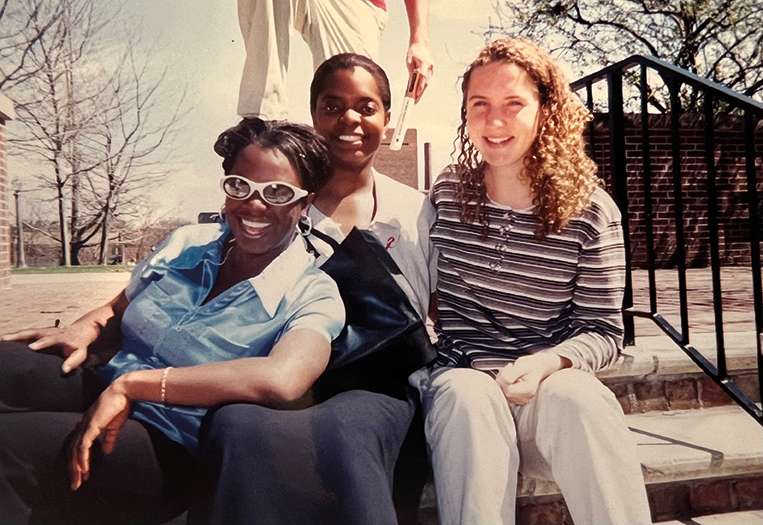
{"type": "Point", "coordinates": [218, 313]}
{"type": "Point", "coordinates": [333, 463]}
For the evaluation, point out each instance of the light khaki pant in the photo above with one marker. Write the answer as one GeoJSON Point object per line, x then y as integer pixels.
{"type": "Point", "coordinates": [572, 432]}
{"type": "Point", "coordinates": [329, 27]}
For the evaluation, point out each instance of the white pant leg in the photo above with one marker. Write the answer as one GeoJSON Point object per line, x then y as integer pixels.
{"type": "Point", "coordinates": [331, 27]}
{"type": "Point", "coordinates": [265, 26]}
{"type": "Point", "coordinates": [472, 441]}
{"type": "Point", "coordinates": [575, 430]}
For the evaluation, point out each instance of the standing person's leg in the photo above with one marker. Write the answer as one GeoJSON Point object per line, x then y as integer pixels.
{"type": "Point", "coordinates": [265, 26]}
{"type": "Point", "coordinates": [331, 27]}
{"type": "Point", "coordinates": [327, 464]}
{"type": "Point", "coordinates": [472, 442]}
{"type": "Point", "coordinates": [574, 431]}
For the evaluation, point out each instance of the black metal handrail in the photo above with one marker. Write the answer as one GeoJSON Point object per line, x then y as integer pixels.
{"type": "Point", "coordinates": [674, 78]}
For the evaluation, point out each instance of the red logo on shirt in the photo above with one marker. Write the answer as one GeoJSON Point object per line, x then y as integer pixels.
{"type": "Point", "coordinates": [391, 242]}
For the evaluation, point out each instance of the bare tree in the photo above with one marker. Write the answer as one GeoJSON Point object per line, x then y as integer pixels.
{"type": "Point", "coordinates": [91, 113]}
{"type": "Point", "coordinates": [22, 25]}
{"type": "Point", "coordinates": [127, 147]}
{"type": "Point", "coordinates": [48, 103]}
{"type": "Point", "coordinates": [718, 39]}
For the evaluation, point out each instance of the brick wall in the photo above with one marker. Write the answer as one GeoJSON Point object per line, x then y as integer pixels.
{"type": "Point", "coordinates": [731, 187]}
{"type": "Point", "coordinates": [5, 226]}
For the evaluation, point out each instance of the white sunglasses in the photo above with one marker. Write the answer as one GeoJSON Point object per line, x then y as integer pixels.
{"type": "Point", "coordinates": [275, 193]}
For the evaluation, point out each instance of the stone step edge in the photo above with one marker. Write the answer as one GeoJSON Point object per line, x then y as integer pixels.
{"type": "Point", "coordinates": [538, 488]}
{"type": "Point", "coordinates": [743, 517]}
{"type": "Point", "coordinates": [659, 355]}
{"type": "Point", "coordinates": [695, 500]}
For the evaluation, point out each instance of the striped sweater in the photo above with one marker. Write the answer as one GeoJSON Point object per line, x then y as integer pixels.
{"type": "Point", "coordinates": [510, 295]}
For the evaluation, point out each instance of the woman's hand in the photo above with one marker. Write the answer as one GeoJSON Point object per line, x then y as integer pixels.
{"type": "Point", "coordinates": [106, 416]}
{"type": "Point", "coordinates": [73, 341]}
{"type": "Point", "coordinates": [520, 380]}
{"type": "Point", "coordinates": [101, 325]}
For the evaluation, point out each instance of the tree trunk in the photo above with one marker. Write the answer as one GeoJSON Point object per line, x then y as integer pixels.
{"type": "Point", "coordinates": [74, 224]}
{"type": "Point", "coordinates": [62, 226]}
{"type": "Point", "coordinates": [20, 260]}
{"type": "Point", "coordinates": [103, 256]}
{"type": "Point", "coordinates": [104, 247]}
{"type": "Point", "coordinates": [75, 249]}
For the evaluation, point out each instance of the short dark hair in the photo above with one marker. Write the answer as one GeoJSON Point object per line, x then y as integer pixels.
{"type": "Point", "coordinates": [349, 61]}
{"type": "Point", "coordinates": [304, 148]}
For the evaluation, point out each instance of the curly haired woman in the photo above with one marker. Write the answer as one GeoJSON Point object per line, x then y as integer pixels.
{"type": "Point", "coordinates": [531, 275]}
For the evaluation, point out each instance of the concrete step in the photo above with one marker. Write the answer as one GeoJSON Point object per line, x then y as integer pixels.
{"type": "Point", "coordinates": [694, 462]}
{"type": "Point", "coordinates": [656, 374]}
{"type": "Point", "coordinates": [691, 444]}
{"type": "Point", "coordinates": [750, 517]}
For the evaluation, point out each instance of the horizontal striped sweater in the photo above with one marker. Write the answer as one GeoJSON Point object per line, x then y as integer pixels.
{"type": "Point", "coordinates": [508, 294]}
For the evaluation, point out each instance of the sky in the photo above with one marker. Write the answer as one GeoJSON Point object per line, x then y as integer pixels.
{"type": "Point", "coordinates": [200, 43]}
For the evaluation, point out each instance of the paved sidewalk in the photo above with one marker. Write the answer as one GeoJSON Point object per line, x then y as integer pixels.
{"type": "Point", "coordinates": [736, 284]}
{"type": "Point", "coordinates": [38, 300]}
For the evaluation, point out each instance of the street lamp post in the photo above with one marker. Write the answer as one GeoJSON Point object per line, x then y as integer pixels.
{"type": "Point", "coordinates": [20, 261]}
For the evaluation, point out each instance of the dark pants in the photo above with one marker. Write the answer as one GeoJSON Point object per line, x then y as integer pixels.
{"type": "Point", "coordinates": [332, 463]}
{"type": "Point", "coordinates": [145, 479]}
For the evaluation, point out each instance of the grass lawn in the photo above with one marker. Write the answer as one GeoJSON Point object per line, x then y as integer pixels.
{"type": "Point", "coordinates": [90, 268]}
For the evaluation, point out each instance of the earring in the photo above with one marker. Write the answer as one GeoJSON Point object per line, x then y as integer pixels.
{"type": "Point", "coordinates": [222, 213]}
{"type": "Point", "coordinates": [305, 225]}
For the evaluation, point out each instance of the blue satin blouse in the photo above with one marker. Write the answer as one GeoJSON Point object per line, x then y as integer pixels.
{"type": "Point", "coordinates": [166, 323]}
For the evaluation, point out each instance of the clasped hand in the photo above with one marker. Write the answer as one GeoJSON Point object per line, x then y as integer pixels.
{"type": "Point", "coordinates": [520, 380]}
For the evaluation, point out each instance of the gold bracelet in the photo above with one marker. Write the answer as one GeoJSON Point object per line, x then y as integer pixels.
{"type": "Point", "coordinates": [165, 373]}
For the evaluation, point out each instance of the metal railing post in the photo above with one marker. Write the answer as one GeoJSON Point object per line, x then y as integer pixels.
{"type": "Point", "coordinates": [620, 183]}
{"type": "Point", "coordinates": [674, 85]}
{"type": "Point", "coordinates": [647, 184]}
{"type": "Point", "coordinates": [712, 224]}
{"type": "Point", "coordinates": [753, 204]}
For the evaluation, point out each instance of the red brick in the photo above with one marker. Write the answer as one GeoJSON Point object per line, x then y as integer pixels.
{"type": "Point", "coordinates": [749, 493]}
{"type": "Point", "coordinates": [713, 496]}
{"type": "Point", "coordinates": [682, 394]}
{"type": "Point", "coordinates": [650, 395]}
{"type": "Point", "coordinates": [621, 392]}
{"type": "Point", "coordinates": [750, 385]}
{"type": "Point", "coordinates": [669, 501]}
{"type": "Point", "coordinates": [711, 394]}
{"type": "Point", "coordinates": [551, 513]}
